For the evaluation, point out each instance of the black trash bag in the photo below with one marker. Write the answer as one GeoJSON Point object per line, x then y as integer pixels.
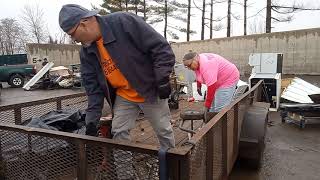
{"type": "Point", "coordinates": [59, 120]}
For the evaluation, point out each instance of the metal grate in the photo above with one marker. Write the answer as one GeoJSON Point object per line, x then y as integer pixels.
{"type": "Point", "coordinates": [37, 110]}
{"type": "Point", "coordinates": [18, 113]}
{"type": "Point", "coordinates": [7, 116]}
{"type": "Point", "coordinates": [75, 103]}
{"type": "Point", "coordinates": [198, 156]}
{"type": "Point", "coordinates": [27, 156]}
{"type": "Point", "coordinates": [198, 160]}
{"type": "Point", "coordinates": [230, 129]}
{"type": "Point", "coordinates": [217, 151]}
{"type": "Point", "coordinates": [112, 163]}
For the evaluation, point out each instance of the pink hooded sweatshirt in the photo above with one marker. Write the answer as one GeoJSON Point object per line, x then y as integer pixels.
{"type": "Point", "coordinates": [215, 72]}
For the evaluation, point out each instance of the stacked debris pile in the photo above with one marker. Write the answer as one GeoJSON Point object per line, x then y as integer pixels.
{"type": "Point", "coordinates": [50, 77]}
{"type": "Point", "coordinates": [301, 103]}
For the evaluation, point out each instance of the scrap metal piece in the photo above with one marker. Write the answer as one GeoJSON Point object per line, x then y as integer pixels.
{"type": "Point", "coordinates": [36, 77]}
{"type": "Point", "coordinates": [299, 91]}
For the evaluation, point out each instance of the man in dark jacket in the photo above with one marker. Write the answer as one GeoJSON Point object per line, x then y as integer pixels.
{"type": "Point", "coordinates": [126, 61]}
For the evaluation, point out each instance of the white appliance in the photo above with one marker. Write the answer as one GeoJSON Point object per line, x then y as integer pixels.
{"type": "Point", "coordinates": [267, 67]}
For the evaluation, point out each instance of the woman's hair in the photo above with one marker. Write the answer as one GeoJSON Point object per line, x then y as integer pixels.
{"type": "Point", "coordinates": [189, 55]}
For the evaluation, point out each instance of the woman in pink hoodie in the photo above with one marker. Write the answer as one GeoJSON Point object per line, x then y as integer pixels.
{"type": "Point", "coordinates": [218, 74]}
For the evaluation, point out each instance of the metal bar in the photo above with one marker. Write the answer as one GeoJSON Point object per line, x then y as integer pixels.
{"type": "Point", "coordinates": [59, 106]}
{"type": "Point", "coordinates": [258, 95]}
{"type": "Point", "coordinates": [173, 167]}
{"type": "Point", "coordinates": [235, 131]}
{"type": "Point", "coordinates": [209, 155]}
{"type": "Point", "coordinates": [42, 101]}
{"type": "Point", "coordinates": [192, 127]}
{"type": "Point", "coordinates": [82, 161]}
{"type": "Point", "coordinates": [184, 168]}
{"type": "Point", "coordinates": [130, 146]}
{"type": "Point", "coordinates": [17, 115]}
{"type": "Point", "coordinates": [2, 163]}
{"type": "Point", "coordinates": [251, 97]}
{"type": "Point", "coordinates": [224, 147]}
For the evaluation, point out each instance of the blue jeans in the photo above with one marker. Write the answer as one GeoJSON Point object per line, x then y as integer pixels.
{"type": "Point", "coordinates": [223, 97]}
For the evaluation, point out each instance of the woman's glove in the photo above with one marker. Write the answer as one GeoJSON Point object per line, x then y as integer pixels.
{"type": "Point", "coordinates": [199, 91]}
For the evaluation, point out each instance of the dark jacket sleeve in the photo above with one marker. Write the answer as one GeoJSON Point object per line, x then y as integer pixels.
{"type": "Point", "coordinates": [94, 92]}
{"type": "Point", "coordinates": [151, 42]}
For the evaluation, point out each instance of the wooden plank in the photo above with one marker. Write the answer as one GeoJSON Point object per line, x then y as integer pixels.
{"type": "Point", "coordinates": [149, 137]}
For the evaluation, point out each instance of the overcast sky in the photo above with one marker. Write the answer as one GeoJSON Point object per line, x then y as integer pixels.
{"type": "Point", "coordinates": [302, 20]}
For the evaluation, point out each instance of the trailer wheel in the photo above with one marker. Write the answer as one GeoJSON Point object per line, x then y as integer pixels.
{"type": "Point", "coordinates": [16, 80]}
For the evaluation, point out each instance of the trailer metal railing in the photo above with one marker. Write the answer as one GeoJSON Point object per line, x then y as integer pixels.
{"type": "Point", "coordinates": [33, 153]}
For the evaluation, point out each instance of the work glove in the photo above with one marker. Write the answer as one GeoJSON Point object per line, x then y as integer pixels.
{"type": "Point", "coordinates": [91, 129]}
{"type": "Point", "coordinates": [164, 90]}
{"type": "Point", "coordinates": [199, 91]}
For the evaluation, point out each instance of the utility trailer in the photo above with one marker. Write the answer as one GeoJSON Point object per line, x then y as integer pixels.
{"type": "Point", "coordinates": [32, 153]}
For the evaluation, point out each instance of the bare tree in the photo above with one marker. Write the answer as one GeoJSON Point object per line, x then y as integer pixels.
{"type": "Point", "coordinates": [33, 17]}
{"type": "Point", "coordinates": [229, 18]}
{"type": "Point", "coordinates": [216, 27]}
{"type": "Point", "coordinates": [268, 17]}
{"type": "Point", "coordinates": [12, 37]}
{"type": "Point", "coordinates": [212, 27]}
{"type": "Point", "coordinates": [283, 13]}
{"type": "Point", "coordinates": [144, 10]}
{"type": "Point", "coordinates": [211, 17]}
{"type": "Point", "coordinates": [2, 42]}
{"type": "Point", "coordinates": [203, 19]}
{"type": "Point", "coordinates": [245, 17]}
{"type": "Point", "coordinates": [62, 37]}
{"type": "Point", "coordinates": [188, 20]}
{"type": "Point", "coordinates": [257, 26]}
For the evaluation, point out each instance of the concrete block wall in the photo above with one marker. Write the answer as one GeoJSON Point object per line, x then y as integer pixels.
{"type": "Point", "coordinates": [301, 49]}
{"type": "Point", "coordinates": [59, 54]}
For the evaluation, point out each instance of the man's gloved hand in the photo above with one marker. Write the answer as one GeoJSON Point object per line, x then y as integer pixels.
{"type": "Point", "coordinates": [199, 91]}
{"type": "Point", "coordinates": [164, 90]}
{"type": "Point", "coordinates": [91, 130]}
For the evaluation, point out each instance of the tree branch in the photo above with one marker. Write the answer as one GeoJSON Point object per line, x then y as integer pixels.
{"type": "Point", "coordinates": [257, 13]}
{"type": "Point", "coordinates": [217, 20]}
{"type": "Point", "coordinates": [215, 2]}
{"type": "Point", "coordinates": [295, 8]}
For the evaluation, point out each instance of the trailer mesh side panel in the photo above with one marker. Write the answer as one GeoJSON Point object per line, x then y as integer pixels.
{"type": "Point", "coordinates": [27, 156]}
